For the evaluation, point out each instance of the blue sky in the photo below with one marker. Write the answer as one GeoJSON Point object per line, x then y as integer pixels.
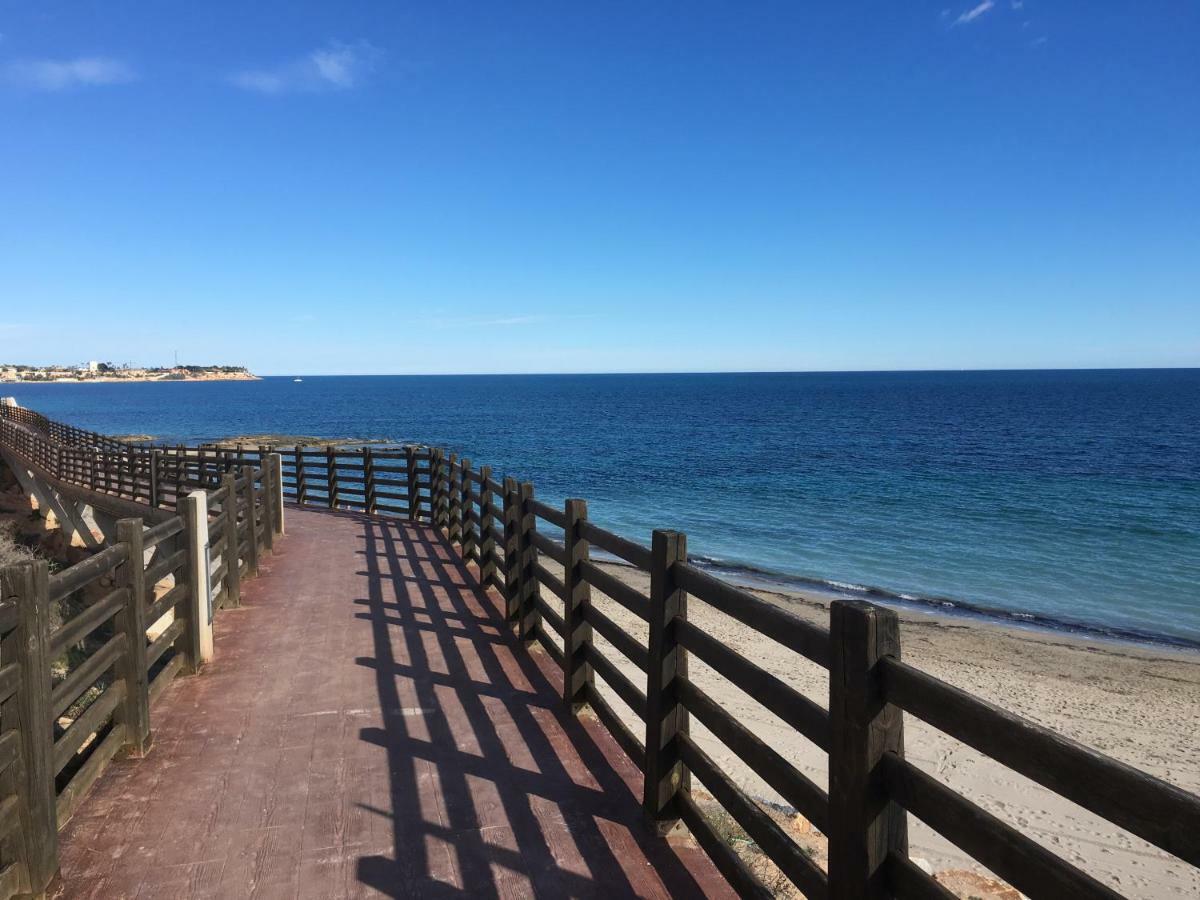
{"type": "Point", "coordinates": [491, 187]}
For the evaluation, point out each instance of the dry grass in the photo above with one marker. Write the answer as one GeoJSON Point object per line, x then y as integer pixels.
{"type": "Point", "coordinates": [12, 551]}
{"type": "Point", "coordinates": [961, 883]}
{"type": "Point", "coordinates": [810, 841]}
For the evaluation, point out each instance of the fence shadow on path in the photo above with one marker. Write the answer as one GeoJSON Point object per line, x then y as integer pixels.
{"type": "Point", "coordinates": [494, 788]}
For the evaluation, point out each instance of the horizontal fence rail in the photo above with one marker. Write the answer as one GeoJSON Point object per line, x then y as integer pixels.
{"type": "Point", "coordinates": [538, 559]}
{"type": "Point", "coordinates": [134, 615]}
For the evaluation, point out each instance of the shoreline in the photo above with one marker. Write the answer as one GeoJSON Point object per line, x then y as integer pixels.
{"type": "Point", "coordinates": [914, 615]}
{"type": "Point", "coordinates": [795, 590]}
{"type": "Point", "coordinates": [935, 608]}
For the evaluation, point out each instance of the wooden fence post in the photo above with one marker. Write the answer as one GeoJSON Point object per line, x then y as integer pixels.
{"type": "Point", "coordinates": [131, 665]}
{"type": "Point", "coordinates": [29, 584]}
{"type": "Point", "coordinates": [665, 714]}
{"type": "Point", "coordinates": [331, 475]}
{"type": "Point", "coordinates": [369, 499]}
{"type": "Point", "coordinates": [14, 846]}
{"type": "Point", "coordinates": [487, 525]}
{"type": "Point", "coordinates": [864, 826]}
{"type": "Point", "coordinates": [414, 487]}
{"type": "Point", "coordinates": [577, 633]}
{"type": "Point", "coordinates": [470, 537]}
{"type": "Point", "coordinates": [229, 527]}
{"type": "Point", "coordinates": [512, 550]}
{"type": "Point", "coordinates": [200, 611]}
{"type": "Point", "coordinates": [529, 616]}
{"type": "Point", "coordinates": [268, 502]}
{"type": "Point", "coordinates": [437, 490]}
{"type": "Point", "coordinates": [454, 487]}
{"type": "Point", "coordinates": [155, 466]}
{"type": "Point", "coordinates": [433, 503]}
{"type": "Point", "coordinates": [251, 521]}
{"type": "Point", "coordinates": [301, 482]}
{"type": "Point", "coordinates": [275, 461]}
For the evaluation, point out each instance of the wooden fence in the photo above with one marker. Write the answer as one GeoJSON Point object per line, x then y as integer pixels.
{"type": "Point", "coordinates": [539, 560]}
{"type": "Point", "coordinates": [77, 688]}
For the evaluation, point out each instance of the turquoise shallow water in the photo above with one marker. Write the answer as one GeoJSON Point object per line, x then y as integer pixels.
{"type": "Point", "coordinates": [1062, 498]}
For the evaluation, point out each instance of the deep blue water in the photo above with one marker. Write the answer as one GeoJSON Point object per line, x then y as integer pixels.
{"type": "Point", "coordinates": [1072, 497]}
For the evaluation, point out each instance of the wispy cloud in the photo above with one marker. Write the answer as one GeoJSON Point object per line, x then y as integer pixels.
{"type": "Point", "coordinates": [64, 74]}
{"type": "Point", "coordinates": [975, 12]}
{"type": "Point", "coordinates": [498, 321]}
{"type": "Point", "coordinates": [335, 67]}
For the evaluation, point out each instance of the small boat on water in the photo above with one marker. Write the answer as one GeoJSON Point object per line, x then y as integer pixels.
{"type": "Point", "coordinates": [297, 379]}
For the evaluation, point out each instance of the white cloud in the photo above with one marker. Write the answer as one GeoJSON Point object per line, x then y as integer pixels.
{"type": "Point", "coordinates": [486, 321]}
{"type": "Point", "coordinates": [60, 75]}
{"type": "Point", "coordinates": [975, 12]}
{"type": "Point", "coordinates": [337, 67]}
{"type": "Point", "coordinates": [500, 321]}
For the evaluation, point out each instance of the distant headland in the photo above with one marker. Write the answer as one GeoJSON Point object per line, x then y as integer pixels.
{"type": "Point", "coordinates": [103, 372]}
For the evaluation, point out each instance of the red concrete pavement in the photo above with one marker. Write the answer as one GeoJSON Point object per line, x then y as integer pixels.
{"type": "Point", "coordinates": [370, 728]}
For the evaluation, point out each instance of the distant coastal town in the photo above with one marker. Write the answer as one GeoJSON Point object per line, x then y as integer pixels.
{"type": "Point", "coordinates": [104, 371]}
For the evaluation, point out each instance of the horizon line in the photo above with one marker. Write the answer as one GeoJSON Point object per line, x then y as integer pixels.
{"type": "Point", "coordinates": [727, 372]}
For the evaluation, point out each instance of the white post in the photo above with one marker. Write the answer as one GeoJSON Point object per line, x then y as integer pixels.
{"type": "Point", "coordinates": [196, 511]}
{"type": "Point", "coordinates": [277, 474]}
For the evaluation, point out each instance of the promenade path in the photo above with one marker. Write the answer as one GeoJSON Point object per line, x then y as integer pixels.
{"type": "Point", "coordinates": [370, 727]}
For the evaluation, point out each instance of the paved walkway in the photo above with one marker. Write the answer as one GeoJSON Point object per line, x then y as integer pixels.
{"type": "Point", "coordinates": [369, 728]}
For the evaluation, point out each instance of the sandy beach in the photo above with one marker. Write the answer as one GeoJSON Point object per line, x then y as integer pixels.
{"type": "Point", "coordinates": [1137, 703]}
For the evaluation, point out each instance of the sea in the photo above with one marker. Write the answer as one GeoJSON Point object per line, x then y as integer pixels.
{"type": "Point", "coordinates": [1050, 499]}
